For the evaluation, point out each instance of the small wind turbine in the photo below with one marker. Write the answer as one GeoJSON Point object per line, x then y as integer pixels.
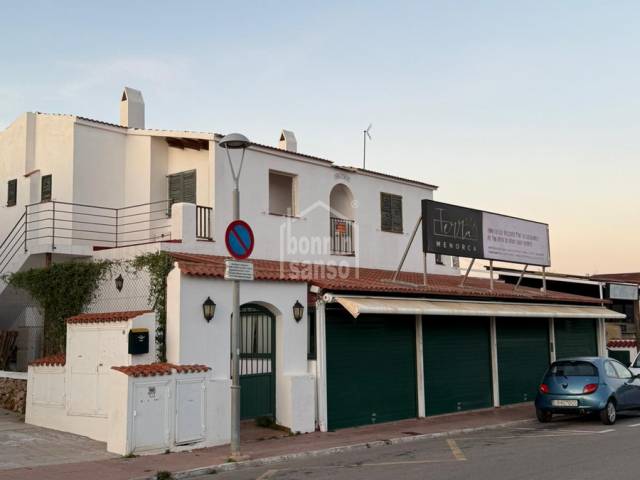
{"type": "Point", "coordinates": [365, 134]}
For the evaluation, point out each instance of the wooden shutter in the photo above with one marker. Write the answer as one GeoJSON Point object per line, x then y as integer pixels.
{"type": "Point", "coordinates": [12, 192]}
{"type": "Point", "coordinates": [385, 212]}
{"type": "Point", "coordinates": [182, 187]}
{"type": "Point", "coordinates": [396, 213]}
{"type": "Point", "coordinates": [189, 186]}
{"type": "Point", "coordinates": [390, 212]}
{"type": "Point", "coordinates": [45, 188]}
{"type": "Point", "coordinates": [175, 188]}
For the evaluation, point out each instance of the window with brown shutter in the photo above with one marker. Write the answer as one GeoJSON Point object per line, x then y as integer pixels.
{"type": "Point", "coordinates": [182, 187]}
{"type": "Point", "coordinates": [45, 188]}
{"type": "Point", "coordinates": [12, 192]}
{"type": "Point", "coordinates": [390, 212]}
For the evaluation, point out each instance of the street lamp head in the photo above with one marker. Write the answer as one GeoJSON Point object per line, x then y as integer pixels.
{"type": "Point", "coordinates": [234, 140]}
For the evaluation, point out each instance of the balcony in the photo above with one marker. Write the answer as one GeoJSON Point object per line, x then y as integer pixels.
{"type": "Point", "coordinates": [60, 226]}
{"type": "Point", "coordinates": [342, 240]}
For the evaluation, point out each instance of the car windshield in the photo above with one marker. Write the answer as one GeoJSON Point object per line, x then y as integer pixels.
{"type": "Point", "coordinates": [573, 369]}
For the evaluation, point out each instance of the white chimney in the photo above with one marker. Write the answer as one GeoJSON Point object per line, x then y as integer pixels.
{"type": "Point", "coordinates": [132, 108]}
{"type": "Point", "coordinates": [288, 141]}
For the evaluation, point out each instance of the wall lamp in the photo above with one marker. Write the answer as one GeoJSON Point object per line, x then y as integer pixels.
{"type": "Point", "coordinates": [119, 282]}
{"type": "Point", "coordinates": [298, 311]}
{"type": "Point", "coordinates": [208, 309]}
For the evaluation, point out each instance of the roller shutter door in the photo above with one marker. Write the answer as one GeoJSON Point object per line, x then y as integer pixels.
{"type": "Point", "coordinates": [457, 364]}
{"type": "Point", "coordinates": [371, 369]}
{"type": "Point", "coordinates": [576, 337]}
{"type": "Point", "coordinates": [623, 356]}
{"type": "Point", "coordinates": [523, 357]}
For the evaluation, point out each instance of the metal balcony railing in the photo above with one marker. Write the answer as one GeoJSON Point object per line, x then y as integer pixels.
{"type": "Point", "coordinates": [203, 222]}
{"type": "Point", "coordinates": [342, 241]}
{"type": "Point", "coordinates": [57, 223]}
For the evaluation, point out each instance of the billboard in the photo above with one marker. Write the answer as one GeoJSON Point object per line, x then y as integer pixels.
{"type": "Point", "coordinates": [466, 232]}
{"type": "Point", "coordinates": [620, 291]}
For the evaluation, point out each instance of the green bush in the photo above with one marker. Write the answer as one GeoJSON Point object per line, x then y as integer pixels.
{"type": "Point", "coordinates": [61, 291]}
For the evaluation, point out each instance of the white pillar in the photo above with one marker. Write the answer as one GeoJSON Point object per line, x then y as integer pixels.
{"type": "Point", "coordinates": [552, 340]}
{"type": "Point", "coordinates": [602, 329]}
{"type": "Point", "coordinates": [494, 362]}
{"type": "Point", "coordinates": [420, 367]}
{"type": "Point", "coordinates": [602, 338]}
{"type": "Point", "coordinates": [321, 364]}
{"type": "Point", "coordinates": [183, 222]}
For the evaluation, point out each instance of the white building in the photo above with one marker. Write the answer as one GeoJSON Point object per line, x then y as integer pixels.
{"type": "Point", "coordinates": [83, 189]}
{"type": "Point", "coordinates": [73, 185]}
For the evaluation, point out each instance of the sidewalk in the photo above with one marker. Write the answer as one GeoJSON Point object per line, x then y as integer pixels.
{"type": "Point", "coordinates": [262, 443]}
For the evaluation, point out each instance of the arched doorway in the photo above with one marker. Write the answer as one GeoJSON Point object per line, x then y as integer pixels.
{"type": "Point", "coordinates": [341, 220]}
{"type": "Point", "coordinates": [257, 362]}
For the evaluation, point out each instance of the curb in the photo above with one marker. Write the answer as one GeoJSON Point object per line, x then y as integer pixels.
{"type": "Point", "coordinates": [260, 462]}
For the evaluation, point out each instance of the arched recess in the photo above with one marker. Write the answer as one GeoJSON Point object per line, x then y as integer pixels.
{"type": "Point", "coordinates": [342, 220]}
{"type": "Point", "coordinates": [341, 202]}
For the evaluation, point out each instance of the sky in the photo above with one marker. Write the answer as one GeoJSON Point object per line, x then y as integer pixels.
{"type": "Point", "coordinates": [530, 109]}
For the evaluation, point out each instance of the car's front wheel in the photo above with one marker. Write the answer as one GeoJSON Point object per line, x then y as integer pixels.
{"type": "Point", "coordinates": [544, 416]}
{"type": "Point", "coordinates": [608, 415]}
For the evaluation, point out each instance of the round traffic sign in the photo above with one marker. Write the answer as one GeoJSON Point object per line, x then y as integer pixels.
{"type": "Point", "coordinates": [239, 239]}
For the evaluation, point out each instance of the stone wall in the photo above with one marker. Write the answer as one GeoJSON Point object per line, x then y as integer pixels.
{"type": "Point", "coordinates": [13, 394]}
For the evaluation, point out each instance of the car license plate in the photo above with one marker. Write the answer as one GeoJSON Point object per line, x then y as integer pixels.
{"type": "Point", "coordinates": [564, 403]}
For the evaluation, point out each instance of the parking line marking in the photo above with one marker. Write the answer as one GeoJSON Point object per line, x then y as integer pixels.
{"type": "Point", "coordinates": [385, 464]}
{"type": "Point", "coordinates": [557, 430]}
{"type": "Point", "coordinates": [457, 453]}
{"type": "Point", "coordinates": [607, 431]}
{"type": "Point", "coordinates": [266, 475]}
{"type": "Point", "coordinates": [635, 425]}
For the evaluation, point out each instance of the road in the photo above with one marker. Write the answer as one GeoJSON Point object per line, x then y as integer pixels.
{"type": "Point", "coordinates": [567, 448]}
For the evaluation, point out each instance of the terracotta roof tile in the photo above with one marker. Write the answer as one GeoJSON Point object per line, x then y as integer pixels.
{"type": "Point", "coordinates": [156, 369]}
{"type": "Point", "coordinates": [58, 360]}
{"type": "Point", "coordinates": [631, 277]}
{"type": "Point", "coordinates": [621, 343]}
{"type": "Point", "coordinates": [105, 317]}
{"type": "Point", "coordinates": [365, 280]}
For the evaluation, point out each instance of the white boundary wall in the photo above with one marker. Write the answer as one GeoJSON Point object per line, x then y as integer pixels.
{"type": "Point", "coordinates": [165, 412]}
{"type": "Point", "coordinates": [73, 398]}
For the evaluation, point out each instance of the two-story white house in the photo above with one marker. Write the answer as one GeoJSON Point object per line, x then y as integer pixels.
{"type": "Point", "coordinates": [330, 338]}
{"type": "Point", "coordinates": [74, 186]}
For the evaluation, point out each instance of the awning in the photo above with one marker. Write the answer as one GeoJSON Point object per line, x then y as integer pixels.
{"type": "Point", "coordinates": [410, 306]}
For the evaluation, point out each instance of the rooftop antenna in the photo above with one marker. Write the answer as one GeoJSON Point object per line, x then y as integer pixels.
{"type": "Point", "coordinates": [365, 134]}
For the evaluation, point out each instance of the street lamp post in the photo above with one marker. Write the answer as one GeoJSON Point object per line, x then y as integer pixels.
{"type": "Point", "coordinates": [235, 141]}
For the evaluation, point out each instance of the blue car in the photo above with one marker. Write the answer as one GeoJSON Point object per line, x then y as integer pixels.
{"type": "Point", "coordinates": [584, 385]}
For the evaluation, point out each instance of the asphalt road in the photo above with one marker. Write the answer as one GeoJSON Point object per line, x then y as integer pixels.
{"type": "Point", "coordinates": [567, 449]}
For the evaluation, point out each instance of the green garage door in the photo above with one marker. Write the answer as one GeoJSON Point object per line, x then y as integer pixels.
{"type": "Point", "coordinates": [623, 356]}
{"type": "Point", "coordinates": [523, 357]}
{"type": "Point", "coordinates": [576, 337]}
{"type": "Point", "coordinates": [371, 369]}
{"type": "Point", "coordinates": [457, 364]}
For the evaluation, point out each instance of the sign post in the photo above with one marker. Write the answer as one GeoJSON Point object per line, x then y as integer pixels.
{"type": "Point", "coordinates": [239, 240]}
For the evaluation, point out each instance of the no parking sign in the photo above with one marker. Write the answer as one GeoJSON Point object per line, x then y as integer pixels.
{"type": "Point", "coordinates": [239, 239]}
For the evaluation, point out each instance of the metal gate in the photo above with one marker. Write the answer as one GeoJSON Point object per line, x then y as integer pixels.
{"type": "Point", "coordinates": [257, 362]}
